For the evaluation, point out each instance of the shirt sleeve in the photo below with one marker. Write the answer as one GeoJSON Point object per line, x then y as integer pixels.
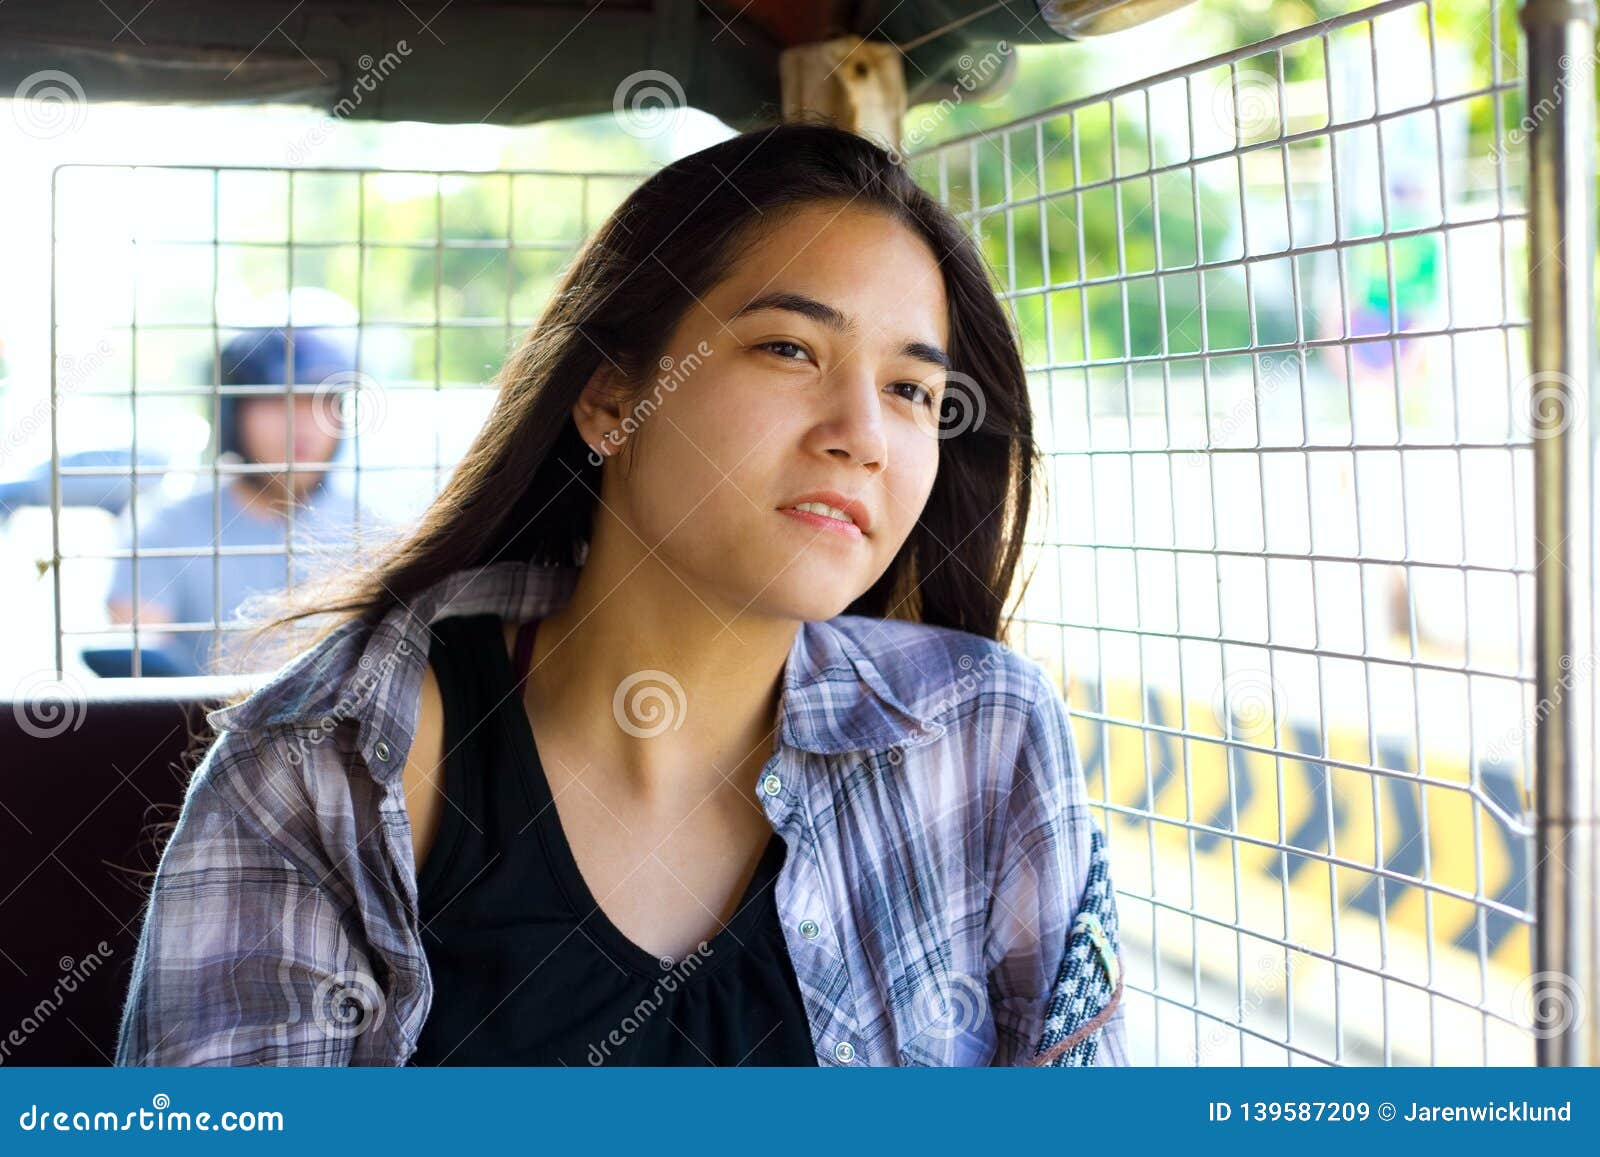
{"type": "Point", "coordinates": [242, 959]}
{"type": "Point", "coordinates": [1043, 882]}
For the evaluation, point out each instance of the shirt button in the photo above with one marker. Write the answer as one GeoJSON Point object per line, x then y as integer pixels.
{"type": "Point", "coordinates": [845, 1051]}
{"type": "Point", "coordinates": [809, 929]}
{"type": "Point", "coordinates": [381, 750]}
{"type": "Point", "coordinates": [772, 785]}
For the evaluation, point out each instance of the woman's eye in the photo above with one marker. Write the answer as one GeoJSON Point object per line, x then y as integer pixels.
{"type": "Point", "coordinates": [776, 346]}
{"type": "Point", "coordinates": [923, 395]}
{"type": "Point", "coordinates": [919, 393]}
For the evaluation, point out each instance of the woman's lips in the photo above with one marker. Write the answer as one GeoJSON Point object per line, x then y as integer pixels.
{"type": "Point", "coordinates": [823, 522]}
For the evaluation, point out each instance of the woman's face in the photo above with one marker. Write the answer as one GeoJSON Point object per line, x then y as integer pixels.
{"type": "Point", "coordinates": [814, 367]}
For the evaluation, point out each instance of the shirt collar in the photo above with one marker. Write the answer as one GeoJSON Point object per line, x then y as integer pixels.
{"type": "Point", "coordinates": [842, 690]}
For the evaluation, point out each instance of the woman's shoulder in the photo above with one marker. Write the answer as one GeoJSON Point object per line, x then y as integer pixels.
{"type": "Point", "coordinates": [1003, 726]}
{"type": "Point", "coordinates": [945, 674]}
{"type": "Point", "coordinates": [320, 682]}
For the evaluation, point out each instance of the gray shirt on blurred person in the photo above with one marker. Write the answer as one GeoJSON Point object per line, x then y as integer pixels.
{"type": "Point", "coordinates": [194, 588]}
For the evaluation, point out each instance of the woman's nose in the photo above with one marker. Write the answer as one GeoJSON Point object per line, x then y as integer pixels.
{"type": "Point", "coordinates": [853, 426]}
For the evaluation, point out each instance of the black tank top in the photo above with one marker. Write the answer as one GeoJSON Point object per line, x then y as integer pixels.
{"type": "Point", "coordinates": [527, 969]}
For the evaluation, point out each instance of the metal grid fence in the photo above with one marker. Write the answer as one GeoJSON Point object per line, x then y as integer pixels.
{"type": "Point", "coordinates": [1272, 305]}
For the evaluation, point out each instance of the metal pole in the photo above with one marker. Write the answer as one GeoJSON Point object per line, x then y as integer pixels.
{"type": "Point", "coordinates": [1560, 125]}
{"type": "Point", "coordinates": [55, 433]}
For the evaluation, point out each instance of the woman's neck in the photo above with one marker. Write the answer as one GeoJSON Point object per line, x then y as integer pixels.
{"type": "Point", "coordinates": [669, 686]}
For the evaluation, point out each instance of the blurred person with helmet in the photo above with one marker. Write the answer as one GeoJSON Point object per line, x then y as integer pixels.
{"type": "Point", "coordinates": [192, 582]}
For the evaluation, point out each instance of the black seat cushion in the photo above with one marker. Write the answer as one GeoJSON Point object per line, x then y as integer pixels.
{"type": "Point", "coordinates": [87, 786]}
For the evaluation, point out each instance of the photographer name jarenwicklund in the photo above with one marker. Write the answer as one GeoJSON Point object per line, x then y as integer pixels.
{"type": "Point", "coordinates": [1493, 1111]}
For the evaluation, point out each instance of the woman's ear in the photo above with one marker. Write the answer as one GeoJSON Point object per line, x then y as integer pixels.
{"type": "Point", "coordinates": [598, 411]}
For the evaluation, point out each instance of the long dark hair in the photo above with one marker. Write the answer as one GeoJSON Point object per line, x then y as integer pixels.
{"type": "Point", "coordinates": [680, 232]}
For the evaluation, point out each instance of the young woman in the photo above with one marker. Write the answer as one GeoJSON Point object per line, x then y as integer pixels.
{"type": "Point", "coordinates": [679, 731]}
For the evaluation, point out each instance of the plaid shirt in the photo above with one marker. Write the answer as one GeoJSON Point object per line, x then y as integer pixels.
{"type": "Point", "coordinates": [945, 898]}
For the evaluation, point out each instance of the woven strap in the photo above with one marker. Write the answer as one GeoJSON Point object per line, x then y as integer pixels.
{"type": "Point", "coordinates": [1088, 985]}
{"type": "Point", "coordinates": [1083, 1031]}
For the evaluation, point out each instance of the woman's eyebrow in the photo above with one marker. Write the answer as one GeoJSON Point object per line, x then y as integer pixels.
{"type": "Point", "coordinates": [824, 314]}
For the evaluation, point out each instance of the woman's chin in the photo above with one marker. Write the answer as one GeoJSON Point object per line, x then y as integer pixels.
{"type": "Point", "coordinates": [808, 597]}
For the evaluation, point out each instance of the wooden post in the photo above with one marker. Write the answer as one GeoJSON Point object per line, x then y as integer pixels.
{"type": "Point", "coordinates": [858, 84]}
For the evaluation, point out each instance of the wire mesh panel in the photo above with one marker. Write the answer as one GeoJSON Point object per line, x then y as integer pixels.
{"type": "Point", "coordinates": [1272, 306]}
{"type": "Point", "coordinates": [370, 309]}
